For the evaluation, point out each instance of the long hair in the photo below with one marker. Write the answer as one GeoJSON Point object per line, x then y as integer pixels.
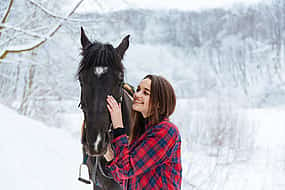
{"type": "Point", "coordinates": [162, 105]}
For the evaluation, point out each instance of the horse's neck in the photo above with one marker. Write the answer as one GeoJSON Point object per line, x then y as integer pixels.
{"type": "Point", "coordinates": [126, 110]}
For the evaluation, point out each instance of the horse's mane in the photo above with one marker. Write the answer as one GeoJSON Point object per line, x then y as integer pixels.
{"type": "Point", "coordinates": [98, 54]}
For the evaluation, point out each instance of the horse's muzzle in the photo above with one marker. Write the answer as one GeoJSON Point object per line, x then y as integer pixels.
{"type": "Point", "coordinates": [92, 152]}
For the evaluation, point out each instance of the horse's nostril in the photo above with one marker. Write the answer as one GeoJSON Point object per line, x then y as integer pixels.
{"type": "Point", "coordinates": [92, 152]}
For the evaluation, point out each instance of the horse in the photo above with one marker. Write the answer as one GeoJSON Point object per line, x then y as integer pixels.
{"type": "Point", "coordinates": [101, 73]}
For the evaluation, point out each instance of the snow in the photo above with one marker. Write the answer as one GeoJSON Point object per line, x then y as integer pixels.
{"type": "Point", "coordinates": [264, 169]}
{"type": "Point", "coordinates": [272, 130]}
{"type": "Point", "coordinates": [35, 156]}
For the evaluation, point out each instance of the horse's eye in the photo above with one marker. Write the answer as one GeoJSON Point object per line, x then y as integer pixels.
{"type": "Point", "coordinates": [82, 106]}
{"type": "Point", "coordinates": [121, 77]}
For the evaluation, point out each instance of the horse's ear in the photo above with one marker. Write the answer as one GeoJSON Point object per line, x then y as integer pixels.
{"type": "Point", "coordinates": [123, 46]}
{"type": "Point", "coordinates": [84, 40]}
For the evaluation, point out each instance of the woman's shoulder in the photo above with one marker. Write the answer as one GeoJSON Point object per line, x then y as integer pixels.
{"type": "Point", "coordinates": [167, 125]}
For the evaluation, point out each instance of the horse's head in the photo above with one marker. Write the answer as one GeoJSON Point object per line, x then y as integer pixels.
{"type": "Point", "coordinates": [100, 74]}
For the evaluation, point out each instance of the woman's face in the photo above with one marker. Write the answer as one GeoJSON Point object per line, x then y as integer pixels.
{"type": "Point", "coordinates": [141, 97]}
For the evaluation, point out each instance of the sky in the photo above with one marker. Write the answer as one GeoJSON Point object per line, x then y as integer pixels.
{"type": "Point", "coordinates": [112, 5]}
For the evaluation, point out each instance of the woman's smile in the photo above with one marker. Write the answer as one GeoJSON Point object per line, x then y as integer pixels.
{"type": "Point", "coordinates": [142, 97]}
{"type": "Point", "coordinates": [136, 101]}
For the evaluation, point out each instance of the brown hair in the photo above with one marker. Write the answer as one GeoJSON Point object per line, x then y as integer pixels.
{"type": "Point", "coordinates": [162, 105]}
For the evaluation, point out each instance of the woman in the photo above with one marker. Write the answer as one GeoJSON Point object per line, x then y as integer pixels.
{"type": "Point", "coordinates": [151, 157]}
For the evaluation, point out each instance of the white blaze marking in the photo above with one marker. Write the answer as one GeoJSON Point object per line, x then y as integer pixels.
{"type": "Point", "coordinates": [98, 71]}
{"type": "Point", "coordinates": [97, 142]}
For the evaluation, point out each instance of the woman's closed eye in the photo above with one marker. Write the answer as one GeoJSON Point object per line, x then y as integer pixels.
{"type": "Point", "coordinates": [145, 92]}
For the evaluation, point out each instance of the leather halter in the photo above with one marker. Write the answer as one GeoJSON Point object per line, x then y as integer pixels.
{"type": "Point", "coordinates": [109, 130]}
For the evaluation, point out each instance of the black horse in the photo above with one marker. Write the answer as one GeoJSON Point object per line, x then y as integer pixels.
{"type": "Point", "coordinates": [101, 73]}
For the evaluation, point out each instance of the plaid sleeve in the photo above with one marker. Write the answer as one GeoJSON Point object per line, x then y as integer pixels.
{"type": "Point", "coordinates": [152, 150]}
{"type": "Point", "coordinates": [115, 174]}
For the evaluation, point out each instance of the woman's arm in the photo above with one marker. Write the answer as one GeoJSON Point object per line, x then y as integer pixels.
{"type": "Point", "coordinates": [152, 150]}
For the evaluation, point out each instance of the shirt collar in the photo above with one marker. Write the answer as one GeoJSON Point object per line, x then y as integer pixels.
{"type": "Point", "coordinates": [148, 123]}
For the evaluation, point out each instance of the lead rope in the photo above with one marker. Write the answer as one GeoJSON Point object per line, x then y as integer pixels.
{"type": "Point", "coordinates": [95, 170]}
{"type": "Point", "coordinates": [100, 165]}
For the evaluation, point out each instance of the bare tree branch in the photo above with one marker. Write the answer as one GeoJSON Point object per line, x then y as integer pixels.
{"type": "Point", "coordinates": [50, 13]}
{"type": "Point", "coordinates": [21, 30]}
{"type": "Point", "coordinates": [18, 61]}
{"type": "Point", "coordinates": [38, 44]}
{"type": "Point", "coordinates": [4, 19]}
{"type": "Point", "coordinates": [7, 40]}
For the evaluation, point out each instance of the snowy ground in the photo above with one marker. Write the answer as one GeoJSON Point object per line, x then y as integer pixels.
{"type": "Point", "coordinates": [37, 157]}
{"type": "Point", "coordinates": [264, 169]}
{"type": "Point", "coordinates": [34, 156]}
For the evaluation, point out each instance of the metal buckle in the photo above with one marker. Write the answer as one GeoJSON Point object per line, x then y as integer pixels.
{"type": "Point", "coordinates": [84, 174]}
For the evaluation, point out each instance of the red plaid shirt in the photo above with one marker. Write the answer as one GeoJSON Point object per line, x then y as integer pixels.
{"type": "Point", "coordinates": [150, 162]}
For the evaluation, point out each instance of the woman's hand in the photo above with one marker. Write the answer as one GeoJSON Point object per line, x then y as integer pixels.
{"type": "Point", "coordinates": [109, 155]}
{"type": "Point", "coordinates": [115, 112]}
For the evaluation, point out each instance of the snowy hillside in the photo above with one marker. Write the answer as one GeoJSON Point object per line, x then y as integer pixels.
{"type": "Point", "coordinates": [36, 157]}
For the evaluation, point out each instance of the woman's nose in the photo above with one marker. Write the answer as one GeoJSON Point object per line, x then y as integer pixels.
{"type": "Point", "coordinates": [137, 94]}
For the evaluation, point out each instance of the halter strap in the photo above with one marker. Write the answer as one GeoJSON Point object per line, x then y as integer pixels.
{"type": "Point", "coordinates": [130, 90]}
